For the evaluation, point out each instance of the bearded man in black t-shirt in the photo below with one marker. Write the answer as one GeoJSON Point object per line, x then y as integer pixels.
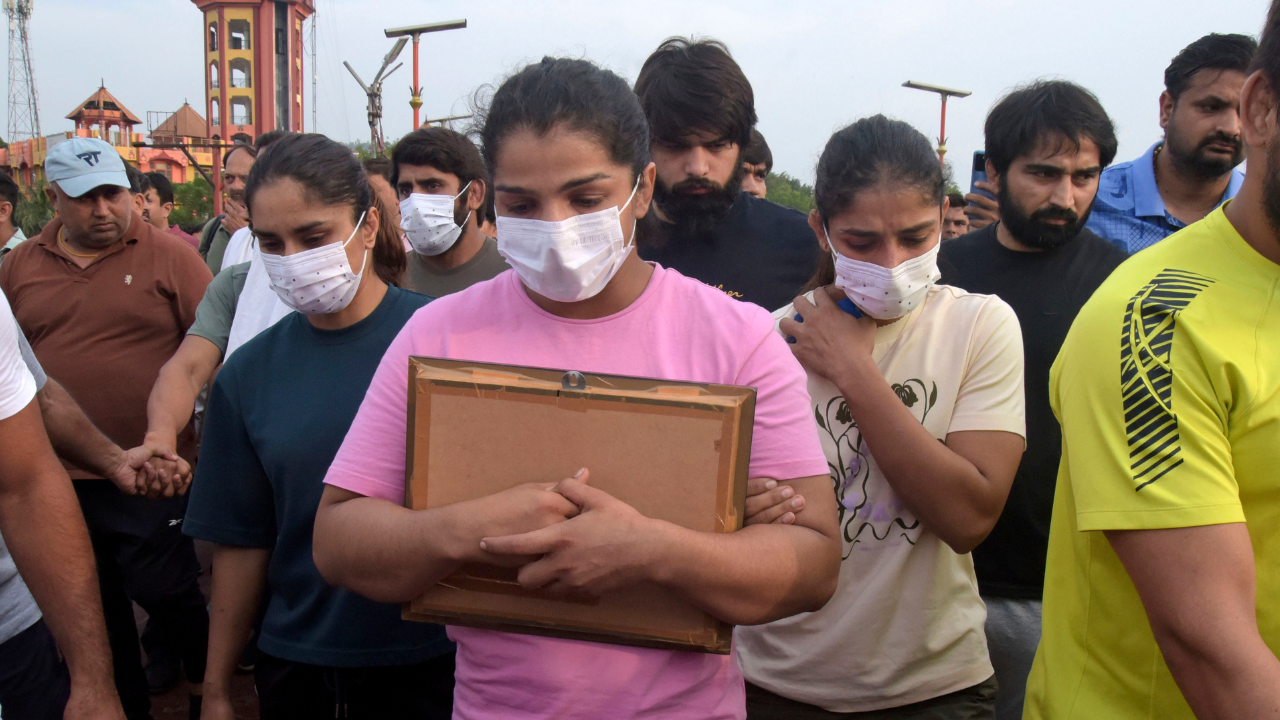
{"type": "Point", "coordinates": [1047, 144]}
{"type": "Point", "coordinates": [701, 111]}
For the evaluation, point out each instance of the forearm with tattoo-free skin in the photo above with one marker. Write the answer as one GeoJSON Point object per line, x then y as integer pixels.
{"type": "Point", "coordinates": [401, 552]}
{"type": "Point", "coordinates": [73, 435]}
{"type": "Point", "coordinates": [956, 489]}
{"type": "Point", "coordinates": [173, 398]}
{"type": "Point", "coordinates": [761, 573]}
{"type": "Point", "coordinates": [45, 532]}
{"type": "Point", "coordinates": [78, 441]}
{"type": "Point", "coordinates": [1198, 586]}
{"type": "Point", "coordinates": [170, 406]}
{"type": "Point", "coordinates": [239, 575]}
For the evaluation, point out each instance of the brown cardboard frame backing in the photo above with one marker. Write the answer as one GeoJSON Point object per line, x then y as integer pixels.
{"type": "Point", "coordinates": [440, 381]}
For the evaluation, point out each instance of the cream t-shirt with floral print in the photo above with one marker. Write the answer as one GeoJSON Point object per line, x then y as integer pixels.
{"type": "Point", "coordinates": [906, 622]}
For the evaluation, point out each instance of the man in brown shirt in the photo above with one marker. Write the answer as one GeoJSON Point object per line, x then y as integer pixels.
{"type": "Point", "coordinates": [105, 298]}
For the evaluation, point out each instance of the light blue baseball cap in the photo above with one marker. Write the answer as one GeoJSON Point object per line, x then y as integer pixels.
{"type": "Point", "coordinates": [81, 164]}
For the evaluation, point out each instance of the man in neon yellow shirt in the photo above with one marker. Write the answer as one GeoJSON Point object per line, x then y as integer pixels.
{"type": "Point", "coordinates": [1162, 591]}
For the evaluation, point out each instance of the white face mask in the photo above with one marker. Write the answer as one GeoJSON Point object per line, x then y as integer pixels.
{"type": "Point", "coordinates": [886, 293]}
{"type": "Point", "coordinates": [427, 220]}
{"type": "Point", "coordinates": [318, 281]}
{"type": "Point", "coordinates": [569, 260]}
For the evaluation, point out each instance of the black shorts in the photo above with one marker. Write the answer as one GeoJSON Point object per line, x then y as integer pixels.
{"type": "Point", "coordinates": [34, 684]}
{"type": "Point", "coordinates": [297, 691]}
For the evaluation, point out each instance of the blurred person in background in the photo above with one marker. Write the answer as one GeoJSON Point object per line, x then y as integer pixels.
{"type": "Point", "coordinates": [236, 163]}
{"type": "Point", "coordinates": [1194, 168]}
{"type": "Point", "coordinates": [955, 223]}
{"type": "Point", "coordinates": [10, 234]}
{"type": "Point", "coordinates": [157, 204]}
{"type": "Point", "coordinates": [442, 193]}
{"type": "Point", "coordinates": [757, 162]}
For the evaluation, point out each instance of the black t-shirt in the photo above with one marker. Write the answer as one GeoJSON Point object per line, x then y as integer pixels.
{"type": "Point", "coordinates": [761, 253]}
{"type": "Point", "coordinates": [1046, 290]}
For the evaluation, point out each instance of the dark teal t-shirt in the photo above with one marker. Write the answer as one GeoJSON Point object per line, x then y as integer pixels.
{"type": "Point", "coordinates": [277, 414]}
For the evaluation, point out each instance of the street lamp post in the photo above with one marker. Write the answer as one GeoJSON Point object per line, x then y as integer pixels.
{"type": "Point", "coordinates": [415, 99]}
{"type": "Point", "coordinates": [944, 93]}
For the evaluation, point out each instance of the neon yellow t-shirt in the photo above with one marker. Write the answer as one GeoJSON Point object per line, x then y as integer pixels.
{"type": "Point", "coordinates": [1175, 425]}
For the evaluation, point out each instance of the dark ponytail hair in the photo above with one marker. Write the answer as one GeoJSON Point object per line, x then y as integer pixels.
{"type": "Point", "coordinates": [389, 256]}
{"type": "Point", "coordinates": [332, 175]}
{"type": "Point", "coordinates": [576, 93]}
{"type": "Point", "coordinates": [872, 151]}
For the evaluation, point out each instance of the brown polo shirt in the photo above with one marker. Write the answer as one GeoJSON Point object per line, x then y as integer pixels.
{"type": "Point", "coordinates": [105, 330]}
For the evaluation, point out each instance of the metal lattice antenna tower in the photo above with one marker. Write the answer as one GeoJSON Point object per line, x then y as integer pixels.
{"type": "Point", "coordinates": [24, 116]}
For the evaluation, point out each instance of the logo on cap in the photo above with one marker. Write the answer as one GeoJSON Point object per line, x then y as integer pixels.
{"type": "Point", "coordinates": [90, 158]}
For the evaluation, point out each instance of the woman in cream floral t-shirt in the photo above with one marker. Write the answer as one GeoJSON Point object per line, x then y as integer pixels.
{"type": "Point", "coordinates": [919, 405]}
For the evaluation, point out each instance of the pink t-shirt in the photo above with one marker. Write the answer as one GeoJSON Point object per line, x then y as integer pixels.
{"type": "Point", "coordinates": [678, 329]}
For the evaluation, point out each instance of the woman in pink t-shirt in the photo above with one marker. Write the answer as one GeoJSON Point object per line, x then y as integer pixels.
{"type": "Point", "coordinates": [568, 148]}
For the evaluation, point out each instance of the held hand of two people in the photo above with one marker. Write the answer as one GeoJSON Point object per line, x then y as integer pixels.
{"type": "Point", "coordinates": [830, 341]}
{"type": "Point", "coordinates": [607, 545]}
{"type": "Point", "coordinates": [982, 210]}
{"type": "Point", "coordinates": [153, 472]}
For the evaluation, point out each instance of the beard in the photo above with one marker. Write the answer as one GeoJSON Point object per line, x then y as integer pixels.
{"type": "Point", "coordinates": [698, 215]}
{"type": "Point", "coordinates": [1197, 161]}
{"type": "Point", "coordinates": [1034, 230]}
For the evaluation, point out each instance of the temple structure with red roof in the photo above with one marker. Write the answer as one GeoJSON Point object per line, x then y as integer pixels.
{"type": "Point", "coordinates": [101, 115]}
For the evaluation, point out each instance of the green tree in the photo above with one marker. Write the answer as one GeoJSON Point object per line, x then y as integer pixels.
{"type": "Point", "coordinates": [786, 190]}
{"type": "Point", "coordinates": [365, 151]}
{"type": "Point", "coordinates": [192, 203]}
{"type": "Point", "coordinates": [34, 210]}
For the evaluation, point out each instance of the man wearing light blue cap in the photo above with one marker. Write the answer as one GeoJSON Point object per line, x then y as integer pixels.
{"type": "Point", "coordinates": [105, 298]}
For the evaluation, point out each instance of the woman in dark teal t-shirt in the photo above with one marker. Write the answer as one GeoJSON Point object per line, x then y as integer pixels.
{"type": "Point", "coordinates": [277, 414]}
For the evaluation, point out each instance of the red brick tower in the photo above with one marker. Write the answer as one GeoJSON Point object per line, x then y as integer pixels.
{"type": "Point", "coordinates": [253, 66]}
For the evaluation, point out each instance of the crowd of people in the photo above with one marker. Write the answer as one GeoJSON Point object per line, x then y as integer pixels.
{"type": "Point", "coordinates": [966, 500]}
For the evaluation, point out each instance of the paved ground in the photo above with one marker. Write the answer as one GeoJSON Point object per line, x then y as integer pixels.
{"type": "Point", "coordinates": [174, 704]}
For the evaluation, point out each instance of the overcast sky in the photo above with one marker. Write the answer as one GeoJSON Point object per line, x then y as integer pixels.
{"type": "Point", "coordinates": [815, 66]}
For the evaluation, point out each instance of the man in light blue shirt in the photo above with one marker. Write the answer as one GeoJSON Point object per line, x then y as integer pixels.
{"type": "Point", "coordinates": [1182, 178]}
